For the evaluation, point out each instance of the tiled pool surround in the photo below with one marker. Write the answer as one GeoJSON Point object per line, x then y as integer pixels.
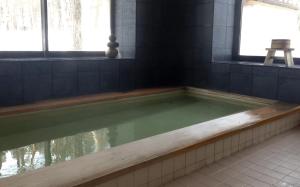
{"type": "Point", "coordinates": [189, 160]}
{"type": "Point", "coordinates": [183, 151]}
{"type": "Point", "coordinates": [274, 162]}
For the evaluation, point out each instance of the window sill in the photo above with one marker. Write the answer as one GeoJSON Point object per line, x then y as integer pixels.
{"type": "Point", "coordinates": [247, 63]}
{"type": "Point", "coordinates": [49, 59]}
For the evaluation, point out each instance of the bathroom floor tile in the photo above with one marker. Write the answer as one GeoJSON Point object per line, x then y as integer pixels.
{"type": "Point", "coordinates": [273, 163]}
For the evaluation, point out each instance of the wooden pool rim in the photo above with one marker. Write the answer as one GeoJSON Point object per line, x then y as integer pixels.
{"type": "Point", "coordinates": [96, 168]}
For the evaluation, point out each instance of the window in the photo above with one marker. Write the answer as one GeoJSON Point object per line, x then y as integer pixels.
{"type": "Point", "coordinates": [20, 25]}
{"type": "Point", "coordinates": [70, 25]}
{"type": "Point", "coordinates": [264, 20]}
{"type": "Point", "coordinates": [78, 25]}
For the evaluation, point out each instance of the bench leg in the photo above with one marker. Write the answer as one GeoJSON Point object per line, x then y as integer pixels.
{"type": "Point", "coordinates": [270, 57]}
{"type": "Point", "coordinates": [288, 57]}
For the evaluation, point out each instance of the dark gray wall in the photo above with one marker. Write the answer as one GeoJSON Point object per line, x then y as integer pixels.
{"type": "Point", "coordinates": [223, 29]}
{"type": "Point", "coordinates": [28, 81]}
{"type": "Point", "coordinates": [125, 27]}
{"type": "Point", "coordinates": [198, 37]}
{"type": "Point", "coordinates": [138, 27]}
{"type": "Point", "coordinates": [163, 43]}
{"type": "Point", "coordinates": [156, 47]}
{"type": "Point", "coordinates": [208, 37]}
{"type": "Point", "coordinates": [190, 43]}
{"type": "Point", "coordinates": [214, 67]}
{"type": "Point", "coordinates": [254, 79]}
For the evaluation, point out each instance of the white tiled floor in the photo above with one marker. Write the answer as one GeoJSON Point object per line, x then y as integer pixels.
{"type": "Point", "coordinates": [275, 162]}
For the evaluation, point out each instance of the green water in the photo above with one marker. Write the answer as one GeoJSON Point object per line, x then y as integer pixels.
{"type": "Point", "coordinates": [36, 140]}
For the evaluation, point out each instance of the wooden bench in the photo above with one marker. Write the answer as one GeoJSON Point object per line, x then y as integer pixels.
{"type": "Point", "coordinates": [280, 45]}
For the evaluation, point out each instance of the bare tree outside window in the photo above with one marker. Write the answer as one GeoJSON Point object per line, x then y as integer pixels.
{"type": "Point", "coordinates": [77, 38]}
{"type": "Point", "coordinates": [299, 21]}
{"type": "Point", "coordinates": [78, 25]}
{"type": "Point", "coordinates": [20, 25]}
{"type": "Point", "coordinates": [73, 25]}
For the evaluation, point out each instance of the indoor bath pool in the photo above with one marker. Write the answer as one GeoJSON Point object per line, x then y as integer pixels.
{"type": "Point", "coordinates": [38, 139]}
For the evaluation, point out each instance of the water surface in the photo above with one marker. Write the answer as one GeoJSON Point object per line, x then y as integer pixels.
{"type": "Point", "coordinates": [39, 139]}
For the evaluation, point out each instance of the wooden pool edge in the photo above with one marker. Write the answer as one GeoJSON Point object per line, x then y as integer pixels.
{"type": "Point", "coordinates": [184, 148]}
{"type": "Point", "coordinates": [113, 164]}
{"type": "Point", "coordinates": [79, 100]}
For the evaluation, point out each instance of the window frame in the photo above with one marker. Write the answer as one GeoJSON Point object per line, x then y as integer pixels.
{"type": "Point", "coordinates": [45, 53]}
{"type": "Point", "coordinates": [239, 4]}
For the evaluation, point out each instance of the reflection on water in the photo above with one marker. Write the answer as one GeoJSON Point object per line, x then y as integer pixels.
{"type": "Point", "coordinates": [43, 154]}
{"type": "Point", "coordinates": [40, 139]}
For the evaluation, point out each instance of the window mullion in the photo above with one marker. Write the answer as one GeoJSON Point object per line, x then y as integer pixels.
{"type": "Point", "coordinates": [112, 17]}
{"type": "Point", "coordinates": [44, 15]}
